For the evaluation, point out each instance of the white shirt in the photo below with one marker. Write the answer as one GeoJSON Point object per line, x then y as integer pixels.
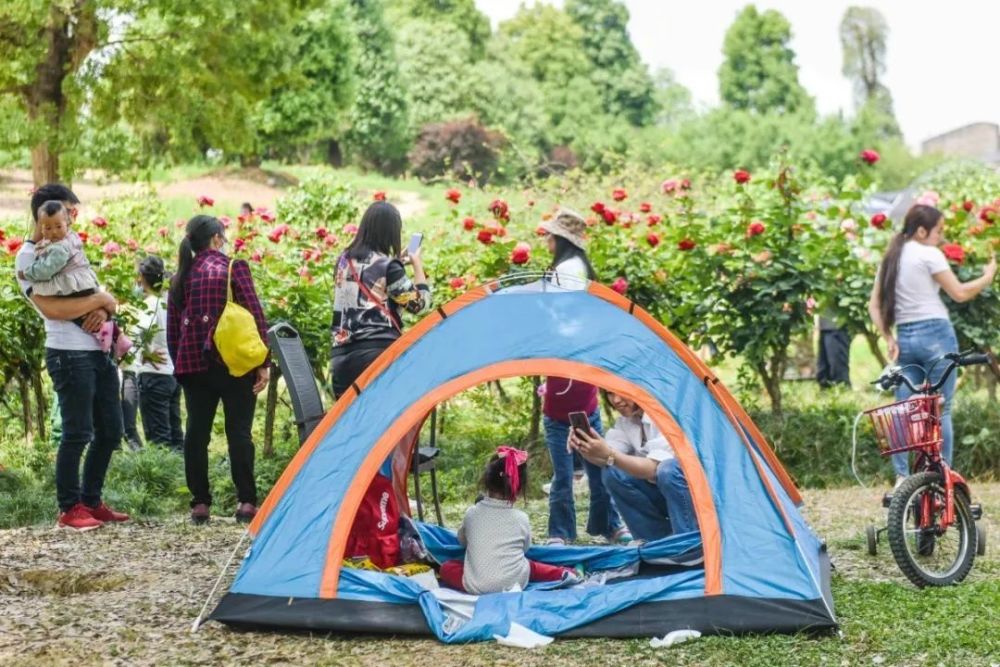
{"type": "Point", "coordinates": [496, 536]}
{"type": "Point", "coordinates": [917, 293]}
{"type": "Point", "coordinates": [152, 325]}
{"type": "Point", "coordinates": [571, 274]}
{"type": "Point", "coordinates": [59, 334]}
{"type": "Point", "coordinates": [639, 436]}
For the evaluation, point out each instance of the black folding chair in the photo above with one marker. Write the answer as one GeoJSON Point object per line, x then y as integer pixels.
{"type": "Point", "coordinates": [425, 460]}
{"type": "Point", "coordinates": [293, 365]}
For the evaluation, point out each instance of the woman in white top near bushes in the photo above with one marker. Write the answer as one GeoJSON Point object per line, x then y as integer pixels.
{"type": "Point", "coordinates": [907, 295]}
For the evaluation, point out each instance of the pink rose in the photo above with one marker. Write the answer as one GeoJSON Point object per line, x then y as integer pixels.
{"type": "Point", "coordinates": [869, 156]}
{"type": "Point", "coordinates": [620, 285]}
{"type": "Point", "coordinates": [99, 222]}
{"type": "Point", "coordinates": [111, 249]}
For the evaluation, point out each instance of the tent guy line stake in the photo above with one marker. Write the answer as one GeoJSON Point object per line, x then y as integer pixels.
{"type": "Point", "coordinates": [218, 580]}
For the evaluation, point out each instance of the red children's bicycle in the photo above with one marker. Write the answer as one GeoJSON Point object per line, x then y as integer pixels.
{"type": "Point", "coordinates": [931, 526]}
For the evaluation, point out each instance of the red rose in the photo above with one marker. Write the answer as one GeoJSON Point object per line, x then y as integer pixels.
{"type": "Point", "coordinates": [275, 237]}
{"type": "Point", "coordinates": [620, 285]}
{"type": "Point", "coordinates": [322, 233]}
{"type": "Point", "coordinates": [645, 207]}
{"type": "Point", "coordinates": [500, 210]}
{"type": "Point", "coordinates": [988, 215]}
{"type": "Point", "coordinates": [521, 254]}
{"type": "Point", "coordinates": [256, 256]}
{"type": "Point", "coordinates": [610, 216]}
{"type": "Point", "coordinates": [267, 216]}
{"type": "Point", "coordinates": [954, 252]}
{"type": "Point", "coordinates": [485, 236]}
{"type": "Point", "coordinates": [453, 195]}
{"type": "Point", "coordinates": [869, 156]}
{"type": "Point", "coordinates": [619, 194]}
{"type": "Point", "coordinates": [968, 205]}
{"type": "Point", "coordinates": [653, 220]}
{"type": "Point", "coordinates": [239, 244]}
{"type": "Point", "coordinates": [378, 195]}
{"type": "Point", "coordinates": [686, 244]}
{"type": "Point", "coordinates": [469, 224]}
{"type": "Point", "coordinates": [598, 208]}
{"type": "Point", "coordinates": [685, 184]}
{"type": "Point", "coordinates": [741, 176]}
{"type": "Point", "coordinates": [84, 236]}
{"type": "Point", "coordinates": [755, 228]}
{"type": "Point", "coordinates": [13, 245]}
{"type": "Point", "coordinates": [652, 239]}
{"type": "Point", "coordinates": [99, 222]}
{"type": "Point", "coordinates": [540, 231]}
{"type": "Point", "coordinates": [878, 220]}
{"type": "Point", "coordinates": [205, 200]}
{"type": "Point", "coordinates": [457, 283]}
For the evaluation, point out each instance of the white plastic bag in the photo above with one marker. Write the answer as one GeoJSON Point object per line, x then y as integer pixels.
{"type": "Point", "coordinates": [673, 638]}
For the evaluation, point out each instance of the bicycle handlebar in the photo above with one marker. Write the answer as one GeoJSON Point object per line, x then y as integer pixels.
{"type": "Point", "coordinates": [895, 377]}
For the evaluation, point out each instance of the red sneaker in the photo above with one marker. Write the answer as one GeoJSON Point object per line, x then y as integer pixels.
{"type": "Point", "coordinates": [78, 518]}
{"type": "Point", "coordinates": [245, 512]}
{"type": "Point", "coordinates": [104, 513]}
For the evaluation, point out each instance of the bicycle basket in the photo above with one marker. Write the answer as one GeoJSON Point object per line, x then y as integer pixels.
{"type": "Point", "coordinates": [910, 424]}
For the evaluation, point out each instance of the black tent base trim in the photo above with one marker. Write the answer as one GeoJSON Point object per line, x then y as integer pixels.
{"type": "Point", "coordinates": [719, 614]}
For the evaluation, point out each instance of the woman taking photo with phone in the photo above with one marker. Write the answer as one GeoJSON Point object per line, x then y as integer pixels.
{"type": "Point", "coordinates": [907, 294]}
{"type": "Point", "coordinates": [570, 269]}
{"type": "Point", "coordinates": [371, 289]}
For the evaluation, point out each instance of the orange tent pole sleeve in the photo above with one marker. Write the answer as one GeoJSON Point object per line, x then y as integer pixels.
{"type": "Point", "coordinates": [737, 415]}
{"type": "Point", "coordinates": [708, 521]}
{"type": "Point", "coordinates": [393, 352]}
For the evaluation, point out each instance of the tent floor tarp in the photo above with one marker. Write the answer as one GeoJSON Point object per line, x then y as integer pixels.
{"type": "Point", "coordinates": [720, 614]}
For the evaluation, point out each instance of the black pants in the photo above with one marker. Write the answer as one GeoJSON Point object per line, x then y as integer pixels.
{"type": "Point", "coordinates": [160, 405]}
{"type": "Point", "coordinates": [130, 407]}
{"type": "Point", "coordinates": [202, 393]}
{"type": "Point", "coordinates": [346, 367]}
{"type": "Point", "coordinates": [89, 405]}
{"type": "Point", "coordinates": [834, 365]}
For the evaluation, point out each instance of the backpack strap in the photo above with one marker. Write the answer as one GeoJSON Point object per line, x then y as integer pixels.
{"type": "Point", "coordinates": [371, 297]}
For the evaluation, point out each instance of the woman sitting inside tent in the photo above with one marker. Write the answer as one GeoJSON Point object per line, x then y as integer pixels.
{"type": "Point", "coordinates": [640, 472]}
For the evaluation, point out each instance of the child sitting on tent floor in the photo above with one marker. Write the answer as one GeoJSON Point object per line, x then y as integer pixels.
{"type": "Point", "coordinates": [496, 535]}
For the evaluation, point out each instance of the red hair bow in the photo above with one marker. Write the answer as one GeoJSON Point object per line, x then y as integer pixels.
{"type": "Point", "coordinates": [513, 459]}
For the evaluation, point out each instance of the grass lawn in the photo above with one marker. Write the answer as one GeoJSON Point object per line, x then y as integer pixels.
{"type": "Point", "coordinates": [127, 595]}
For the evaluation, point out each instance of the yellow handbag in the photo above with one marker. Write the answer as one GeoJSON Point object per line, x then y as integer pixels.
{"type": "Point", "coordinates": [236, 336]}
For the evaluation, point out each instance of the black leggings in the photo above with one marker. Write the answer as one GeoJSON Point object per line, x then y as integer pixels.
{"type": "Point", "coordinates": [346, 367]}
{"type": "Point", "coordinates": [202, 393]}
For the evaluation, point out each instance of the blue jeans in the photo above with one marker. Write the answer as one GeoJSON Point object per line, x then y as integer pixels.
{"type": "Point", "coordinates": [602, 518]}
{"type": "Point", "coordinates": [652, 511]}
{"type": "Point", "coordinates": [921, 344]}
{"type": "Point", "coordinates": [86, 384]}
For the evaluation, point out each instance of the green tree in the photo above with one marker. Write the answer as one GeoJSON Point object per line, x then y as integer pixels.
{"type": "Point", "coordinates": [314, 104]}
{"type": "Point", "coordinates": [379, 129]}
{"type": "Point", "coordinates": [863, 36]}
{"type": "Point", "coordinates": [673, 100]}
{"type": "Point", "coordinates": [184, 73]}
{"type": "Point", "coordinates": [759, 71]}
{"type": "Point", "coordinates": [462, 14]}
{"type": "Point", "coordinates": [434, 70]}
{"type": "Point", "coordinates": [618, 72]}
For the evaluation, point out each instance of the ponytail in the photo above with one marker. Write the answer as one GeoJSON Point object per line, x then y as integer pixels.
{"type": "Point", "coordinates": [200, 231]}
{"type": "Point", "coordinates": [919, 216]}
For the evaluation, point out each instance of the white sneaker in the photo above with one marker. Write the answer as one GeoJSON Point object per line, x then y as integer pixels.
{"type": "Point", "coordinates": [555, 542]}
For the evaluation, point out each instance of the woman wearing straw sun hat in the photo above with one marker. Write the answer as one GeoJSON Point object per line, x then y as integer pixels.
{"type": "Point", "coordinates": [570, 269]}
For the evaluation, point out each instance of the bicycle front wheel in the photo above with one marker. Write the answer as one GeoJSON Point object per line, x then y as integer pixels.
{"type": "Point", "coordinates": [928, 555]}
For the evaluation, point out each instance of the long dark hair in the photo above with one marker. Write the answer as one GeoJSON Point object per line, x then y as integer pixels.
{"type": "Point", "coordinates": [496, 483]}
{"type": "Point", "coordinates": [566, 250]}
{"type": "Point", "coordinates": [380, 231]}
{"type": "Point", "coordinates": [919, 216]}
{"type": "Point", "coordinates": [201, 229]}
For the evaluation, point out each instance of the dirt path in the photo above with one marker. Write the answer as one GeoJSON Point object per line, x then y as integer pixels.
{"type": "Point", "coordinates": [127, 596]}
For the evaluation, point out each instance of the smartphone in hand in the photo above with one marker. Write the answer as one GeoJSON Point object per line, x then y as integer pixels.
{"type": "Point", "coordinates": [579, 422]}
{"type": "Point", "coordinates": [414, 245]}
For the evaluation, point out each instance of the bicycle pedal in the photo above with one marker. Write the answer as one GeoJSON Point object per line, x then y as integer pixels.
{"type": "Point", "coordinates": [886, 500]}
{"type": "Point", "coordinates": [977, 511]}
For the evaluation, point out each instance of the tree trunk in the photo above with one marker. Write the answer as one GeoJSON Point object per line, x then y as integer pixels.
{"type": "Point", "coordinates": [70, 35]}
{"type": "Point", "coordinates": [771, 375]}
{"type": "Point", "coordinates": [270, 408]}
{"type": "Point", "coordinates": [875, 349]}
{"type": "Point", "coordinates": [536, 411]}
{"type": "Point", "coordinates": [40, 407]}
{"type": "Point", "coordinates": [25, 390]}
{"type": "Point", "coordinates": [334, 156]}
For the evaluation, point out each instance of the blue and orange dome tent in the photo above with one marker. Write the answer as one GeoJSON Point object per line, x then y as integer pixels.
{"type": "Point", "coordinates": [754, 565]}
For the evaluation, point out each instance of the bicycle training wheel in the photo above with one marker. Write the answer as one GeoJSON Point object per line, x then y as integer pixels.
{"type": "Point", "coordinates": [927, 555]}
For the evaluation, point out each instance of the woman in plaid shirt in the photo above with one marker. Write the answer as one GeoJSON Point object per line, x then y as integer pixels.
{"type": "Point", "coordinates": [197, 298]}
